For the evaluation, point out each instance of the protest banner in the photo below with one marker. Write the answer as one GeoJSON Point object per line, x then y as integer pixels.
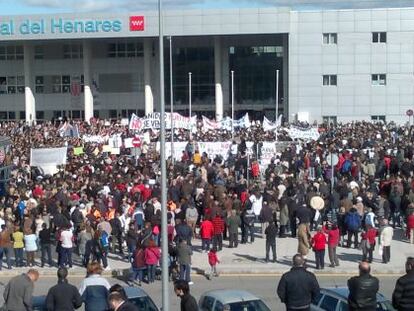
{"type": "Point", "coordinates": [94, 139]}
{"type": "Point", "coordinates": [78, 151]}
{"type": "Point", "coordinates": [303, 133]}
{"type": "Point", "coordinates": [48, 158]}
{"type": "Point", "coordinates": [128, 143]}
{"type": "Point", "coordinates": [152, 121]}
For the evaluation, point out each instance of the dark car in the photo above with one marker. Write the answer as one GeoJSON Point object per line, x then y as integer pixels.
{"type": "Point", "coordinates": [135, 295]}
{"type": "Point", "coordinates": [336, 299]}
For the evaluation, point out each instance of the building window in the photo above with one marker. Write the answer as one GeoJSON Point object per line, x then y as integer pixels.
{"type": "Point", "coordinates": [379, 37]}
{"type": "Point", "coordinates": [330, 38]}
{"type": "Point", "coordinates": [379, 79]}
{"type": "Point", "coordinates": [11, 52]}
{"type": "Point", "coordinates": [38, 52]}
{"type": "Point", "coordinates": [125, 49]}
{"type": "Point", "coordinates": [40, 115]}
{"type": "Point", "coordinates": [57, 84]}
{"type": "Point", "coordinates": [329, 120]}
{"type": "Point", "coordinates": [378, 118]}
{"type": "Point", "coordinates": [329, 80]}
{"type": "Point", "coordinates": [12, 85]}
{"type": "Point", "coordinates": [72, 51]}
{"type": "Point", "coordinates": [39, 84]}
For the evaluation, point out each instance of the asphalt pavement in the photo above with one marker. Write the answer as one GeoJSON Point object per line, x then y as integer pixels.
{"type": "Point", "coordinates": [262, 286]}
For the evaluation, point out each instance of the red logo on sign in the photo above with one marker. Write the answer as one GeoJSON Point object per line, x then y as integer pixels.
{"type": "Point", "coordinates": [136, 23]}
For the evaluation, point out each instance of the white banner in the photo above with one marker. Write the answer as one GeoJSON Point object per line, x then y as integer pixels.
{"type": "Point", "coordinates": [268, 125]}
{"type": "Point", "coordinates": [179, 147]}
{"type": "Point", "coordinates": [94, 139]}
{"type": "Point", "coordinates": [305, 134]}
{"type": "Point", "coordinates": [135, 123]}
{"type": "Point", "coordinates": [48, 158]}
{"type": "Point", "coordinates": [268, 151]}
{"type": "Point", "coordinates": [215, 148]}
{"type": "Point", "coordinates": [152, 121]}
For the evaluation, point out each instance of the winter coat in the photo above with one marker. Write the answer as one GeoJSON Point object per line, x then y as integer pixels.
{"type": "Point", "coordinates": [70, 301]}
{"type": "Point", "coordinates": [152, 255]}
{"type": "Point", "coordinates": [319, 241]}
{"type": "Point", "coordinates": [403, 295]}
{"type": "Point", "coordinates": [184, 253]}
{"type": "Point", "coordinates": [333, 236]}
{"type": "Point", "coordinates": [386, 234]}
{"type": "Point", "coordinates": [362, 292]}
{"type": "Point", "coordinates": [233, 224]}
{"type": "Point", "coordinates": [207, 230]}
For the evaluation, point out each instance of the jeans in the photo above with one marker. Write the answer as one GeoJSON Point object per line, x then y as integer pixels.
{"type": "Point", "coordinates": [250, 231]}
{"type": "Point", "coordinates": [137, 273]}
{"type": "Point", "coordinates": [218, 241]}
{"type": "Point", "coordinates": [213, 271]}
{"type": "Point", "coordinates": [386, 254]}
{"type": "Point", "coordinates": [367, 254]}
{"type": "Point", "coordinates": [320, 259]}
{"type": "Point", "coordinates": [102, 257]}
{"type": "Point", "coordinates": [185, 272]}
{"type": "Point", "coordinates": [5, 251]}
{"type": "Point", "coordinates": [117, 240]}
{"type": "Point", "coordinates": [151, 273]}
{"type": "Point", "coordinates": [66, 256]}
{"type": "Point", "coordinates": [264, 226]}
{"type": "Point", "coordinates": [205, 244]}
{"type": "Point", "coordinates": [350, 235]}
{"type": "Point", "coordinates": [293, 226]}
{"type": "Point", "coordinates": [412, 236]}
{"type": "Point", "coordinates": [333, 257]}
{"type": "Point", "coordinates": [271, 244]}
{"type": "Point", "coordinates": [18, 255]}
{"type": "Point", "coordinates": [30, 258]}
{"type": "Point", "coordinates": [46, 250]}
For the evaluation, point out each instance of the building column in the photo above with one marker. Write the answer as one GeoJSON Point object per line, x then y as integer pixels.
{"type": "Point", "coordinates": [30, 104]}
{"type": "Point", "coordinates": [149, 97]}
{"type": "Point", "coordinates": [87, 78]}
{"type": "Point", "coordinates": [218, 78]}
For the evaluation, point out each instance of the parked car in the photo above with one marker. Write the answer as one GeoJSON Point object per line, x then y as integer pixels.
{"type": "Point", "coordinates": [135, 295]}
{"type": "Point", "coordinates": [231, 300]}
{"type": "Point", "coordinates": [336, 299]}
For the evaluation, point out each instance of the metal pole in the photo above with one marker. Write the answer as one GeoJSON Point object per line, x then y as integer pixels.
{"type": "Point", "coordinates": [171, 102]}
{"type": "Point", "coordinates": [232, 104]}
{"type": "Point", "coordinates": [189, 103]}
{"type": "Point", "coordinates": [164, 234]}
{"type": "Point", "coordinates": [332, 174]}
{"type": "Point", "coordinates": [277, 94]}
{"type": "Point", "coordinates": [248, 169]}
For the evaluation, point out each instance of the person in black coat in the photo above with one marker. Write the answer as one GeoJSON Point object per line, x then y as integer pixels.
{"type": "Point", "coordinates": [271, 233]}
{"type": "Point", "coordinates": [182, 290]}
{"type": "Point", "coordinates": [298, 288]}
{"type": "Point", "coordinates": [118, 302]}
{"type": "Point", "coordinates": [403, 295]}
{"type": "Point", "coordinates": [63, 296]}
{"type": "Point", "coordinates": [363, 290]}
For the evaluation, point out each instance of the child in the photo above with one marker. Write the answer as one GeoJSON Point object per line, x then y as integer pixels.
{"type": "Point", "coordinates": [213, 261]}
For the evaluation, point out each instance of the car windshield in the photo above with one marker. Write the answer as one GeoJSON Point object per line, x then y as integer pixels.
{"type": "Point", "coordinates": [253, 305]}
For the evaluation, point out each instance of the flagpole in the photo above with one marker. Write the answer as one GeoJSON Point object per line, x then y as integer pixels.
{"type": "Point", "coordinates": [164, 233]}
{"type": "Point", "coordinates": [277, 100]}
{"type": "Point", "coordinates": [232, 104]}
{"type": "Point", "coordinates": [171, 102]}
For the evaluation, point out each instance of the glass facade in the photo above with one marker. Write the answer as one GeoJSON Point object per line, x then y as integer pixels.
{"type": "Point", "coordinates": [200, 62]}
{"type": "Point", "coordinates": [255, 74]}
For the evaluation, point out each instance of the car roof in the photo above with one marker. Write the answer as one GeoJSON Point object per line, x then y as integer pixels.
{"type": "Point", "coordinates": [134, 292]}
{"type": "Point", "coordinates": [230, 295]}
{"type": "Point", "coordinates": [343, 292]}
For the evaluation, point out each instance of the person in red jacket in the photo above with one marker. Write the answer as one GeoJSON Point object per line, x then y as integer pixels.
{"type": "Point", "coordinates": [218, 225]}
{"type": "Point", "coordinates": [410, 227]}
{"type": "Point", "coordinates": [152, 256]}
{"type": "Point", "coordinates": [206, 232]}
{"type": "Point", "coordinates": [319, 244]}
{"type": "Point", "coordinates": [333, 240]}
{"type": "Point", "coordinates": [213, 261]}
{"type": "Point", "coordinates": [368, 243]}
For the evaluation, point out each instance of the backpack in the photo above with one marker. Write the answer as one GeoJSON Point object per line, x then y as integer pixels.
{"type": "Point", "coordinates": [346, 167]}
{"type": "Point", "coordinates": [104, 240]}
{"type": "Point", "coordinates": [353, 221]}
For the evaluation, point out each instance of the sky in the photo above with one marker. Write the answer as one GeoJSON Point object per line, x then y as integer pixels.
{"type": "Point", "coordinates": [20, 7]}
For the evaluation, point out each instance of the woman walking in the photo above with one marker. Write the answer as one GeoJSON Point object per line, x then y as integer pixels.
{"type": "Point", "coordinates": [30, 245]}
{"type": "Point", "coordinates": [152, 256]}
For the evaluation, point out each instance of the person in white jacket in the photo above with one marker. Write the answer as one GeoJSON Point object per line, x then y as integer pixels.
{"type": "Point", "coordinates": [386, 234]}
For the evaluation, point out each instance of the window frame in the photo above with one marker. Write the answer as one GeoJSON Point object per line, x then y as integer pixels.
{"type": "Point", "coordinates": [330, 80]}
{"type": "Point", "coordinates": [330, 38]}
{"type": "Point", "coordinates": [379, 79]}
{"type": "Point", "coordinates": [379, 37]}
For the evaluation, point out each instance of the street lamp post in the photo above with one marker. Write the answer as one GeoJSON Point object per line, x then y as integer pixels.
{"type": "Point", "coordinates": [189, 93]}
{"type": "Point", "coordinates": [171, 102]}
{"type": "Point", "coordinates": [164, 234]}
{"type": "Point", "coordinates": [277, 94]}
{"type": "Point", "coordinates": [232, 104]}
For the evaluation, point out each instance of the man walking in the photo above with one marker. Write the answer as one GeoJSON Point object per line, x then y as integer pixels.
{"type": "Point", "coordinates": [386, 234]}
{"type": "Point", "coordinates": [63, 296]}
{"type": "Point", "coordinates": [298, 287]}
{"type": "Point", "coordinates": [233, 223]}
{"type": "Point", "coordinates": [182, 290]}
{"type": "Point", "coordinates": [403, 295]}
{"type": "Point", "coordinates": [19, 291]}
{"type": "Point", "coordinates": [184, 253]}
{"type": "Point", "coordinates": [363, 290]}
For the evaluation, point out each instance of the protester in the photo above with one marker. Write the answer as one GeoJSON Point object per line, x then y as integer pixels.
{"type": "Point", "coordinates": [333, 240]}
{"type": "Point", "coordinates": [363, 289]}
{"type": "Point", "coordinates": [30, 245]}
{"type": "Point", "coordinates": [6, 247]}
{"type": "Point", "coordinates": [118, 303]}
{"type": "Point", "coordinates": [184, 254]}
{"type": "Point", "coordinates": [94, 289]}
{"type": "Point", "coordinates": [182, 290]}
{"type": "Point", "coordinates": [152, 256]}
{"type": "Point", "coordinates": [298, 288]}
{"type": "Point", "coordinates": [271, 233]}
{"type": "Point", "coordinates": [63, 296]}
{"type": "Point", "coordinates": [319, 245]}
{"type": "Point", "coordinates": [403, 295]}
{"type": "Point", "coordinates": [233, 223]}
{"type": "Point", "coordinates": [386, 233]}
{"type": "Point", "coordinates": [19, 291]}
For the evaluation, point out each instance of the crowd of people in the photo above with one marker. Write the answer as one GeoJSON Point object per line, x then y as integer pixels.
{"type": "Point", "coordinates": [100, 202]}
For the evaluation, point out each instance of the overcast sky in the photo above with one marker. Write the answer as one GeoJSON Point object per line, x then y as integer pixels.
{"type": "Point", "coordinates": [58, 6]}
